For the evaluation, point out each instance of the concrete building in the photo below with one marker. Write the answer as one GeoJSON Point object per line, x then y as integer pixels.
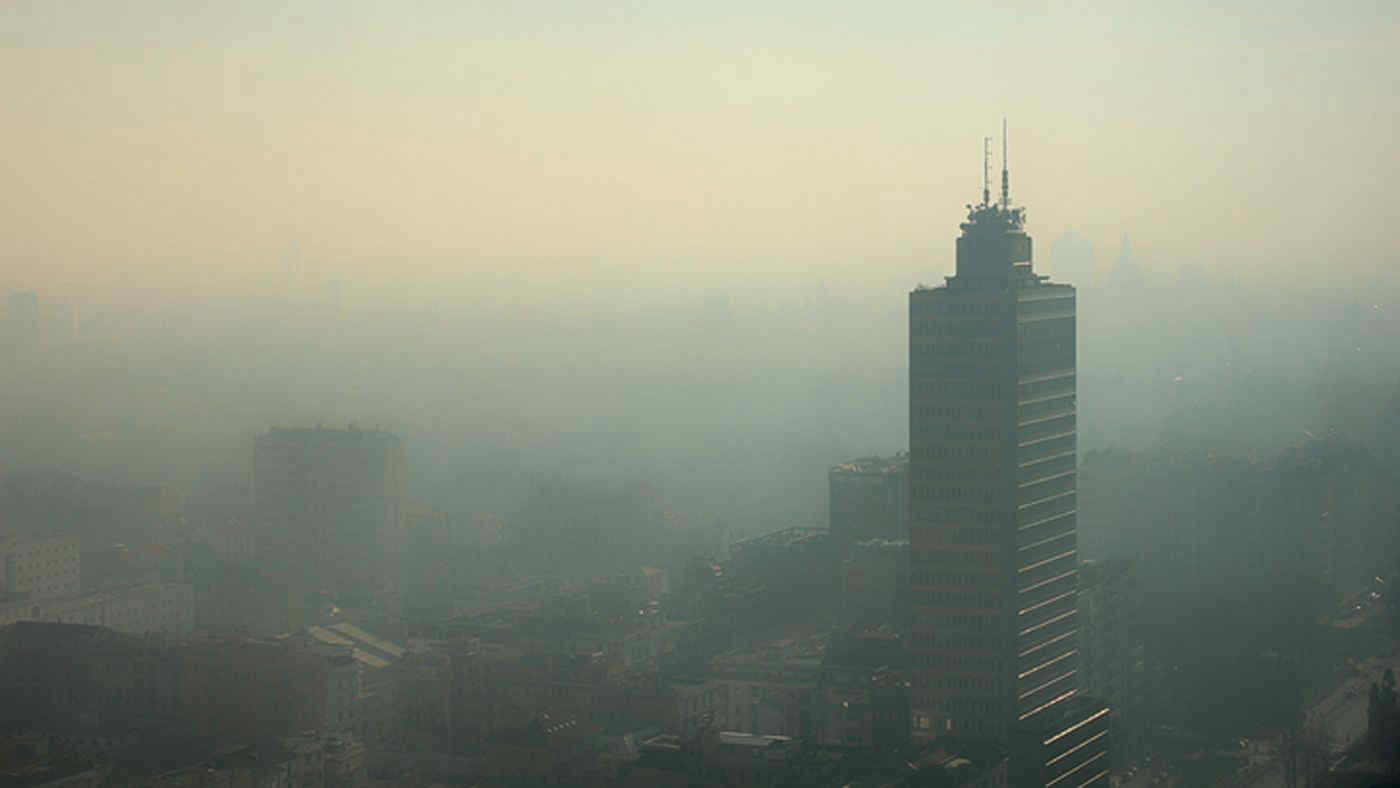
{"type": "Point", "coordinates": [864, 697]}
{"type": "Point", "coordinates": [1111, 645]}
{"type": "Point", "coordinates": [327, 504]}
{"type": "Point", "coordinates": [344, 762]}
{"type": "Point", "coordinates": [992, 486]}
{"type": "Point", "coordinates": [718, 758]}
{"type": "Point", "coordinates": [874, 583]}
{"type": "Point", "coordinates": [52, 676]}
{"type": "Point", "coordinates": [375, 661]}
{"type": "Point", "coordinates": [770, 690]}
{"type": "Point", "coordinates": [40, 568]}
{"type": "Point", "coordinates": [869, 499]}
{"type": "Point", "coordinates": [794, 572]}
{"type": "Point", "coordinates": [243, 688]}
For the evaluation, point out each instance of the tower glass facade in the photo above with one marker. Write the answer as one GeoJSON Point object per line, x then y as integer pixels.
{"type": "Point", "coordinates": [992, 487]}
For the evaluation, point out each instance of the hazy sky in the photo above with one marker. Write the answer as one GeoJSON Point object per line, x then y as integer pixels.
{"type": "Point", "coordinates": [160, 145]}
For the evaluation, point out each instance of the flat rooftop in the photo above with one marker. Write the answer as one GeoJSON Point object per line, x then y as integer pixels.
{"type": "Point", "coordinates": [874, 465]}
{"type": "Point", "coordinates": [800, 534]}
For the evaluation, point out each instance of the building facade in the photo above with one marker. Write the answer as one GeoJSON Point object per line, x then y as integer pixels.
{"type": "Point", "coordinates": [992, 486]}
{"type": "Point", "coordinates": [1112, 649]}
{"type": "Point", "coordinates": [1067, 744]}
{"type": "Point", "coordinates": [40, 568]}
{"type": "Point", "coordinates": [328, 504]}
{"type": "Point", "coordinates": [41, 579]}
{"type": "Point", "coordinates": [873, 581]}
{"type": "Point", "coordinates": [869, 499]}
{"type": "Point", "coordinates": [864, 699]}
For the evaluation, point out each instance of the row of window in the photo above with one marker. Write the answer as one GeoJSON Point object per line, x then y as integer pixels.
{"type": "Point", "coordinates": [1051, 664]}
{"type": "Point", "coordinates": [1051, 543]}
{"type": "Point", "coordinates": [941, 515]}
{"type": "Point", "coordinates": [951, 307]}
{"type": "Point", "coordinates": [962, 346]}
{"type": "Point", "coordinates": [1028, 472]}
{"type": "Point", "coordinates": [929, 577]}
{"type": "Point", "coordinates": [931, 492]}
{"type": "Point", "coordinates": [973, 534]}
{"type": "Point", "coordinates": [966, 621]}
{"type": "Point", "coordinates": [943, 451]}
{"type": "Point", "coordinates": [1028, 455]}
{"type": "Point", "coordinates": [921, 326]}
{"type": "Point", "coordinates": [1045, 692]}
{"type": "Point", "coordinates": [1044, 489]}
{"type": "Point", "coordinates": [958, 558]}
{"type": "Point", "coordinates": [1064, 603]}
{"type": "Point", "coordinates": [1039, 512]}
{"type": "Point", "coordinates": [951, 367]}
{"type": "Point", "coordinates": [958, 706]}
{"type": "Point", "coordinates": [1061, 384]}
{"type": "Point", "coordinates": [1046, 407]}
{"type": "Point", "coordinates": [966, 683]}
{"type": "Point", "coordinates": [942, 388]}
{"type": "Point", "coordinates": [1060, 349]}
{"type": "Point", "coordinates": [1045, 306]}
{"type": "Point", "coordinates": [971, 434]}
{"type": "Point", "coordinates": [958, 472]}
{"type": "Point", "coordinates": [1052, 567]}
{"type": "Point", "coordinates": [1046, 331]}
{"type": "Point", "coordinates": [946, 414]}
{"type": "Point", "coordinates": [1045, 365]}
{"type": "Point", "coordinates": [980, 661]}
{"type": "Point", "coordinates": [963, 642]}
{"type": "Point", "coordinates": [982, 600]}
{"type": "Point", "coordinates": [1044, 427]}
{"type": "Point", "coordinates": [1045, 642]}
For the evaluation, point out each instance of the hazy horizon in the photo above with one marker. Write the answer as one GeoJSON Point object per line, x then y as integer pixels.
{"type": "Point", "coordinates": [170, 147]}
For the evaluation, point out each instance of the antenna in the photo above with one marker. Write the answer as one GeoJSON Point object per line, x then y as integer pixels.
{"type": "Point", "coordinates": [1005, 179]}
{"type": "Point", "coordinates": [986, 170]}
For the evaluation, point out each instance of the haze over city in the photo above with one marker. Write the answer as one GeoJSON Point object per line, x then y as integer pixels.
{"type": "Point", "coordinates": [605, 295]}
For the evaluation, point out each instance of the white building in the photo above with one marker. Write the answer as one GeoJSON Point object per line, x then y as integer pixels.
{"type": "Point", "coordinates": [144, 609]}
{"type": "Point", "coordinates": [42, 568]}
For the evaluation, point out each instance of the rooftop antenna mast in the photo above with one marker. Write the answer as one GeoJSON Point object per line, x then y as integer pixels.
{"type": "Point", "coordinates": [1005, 179]}
{"type": "Point", "coordinates": [986, 170]}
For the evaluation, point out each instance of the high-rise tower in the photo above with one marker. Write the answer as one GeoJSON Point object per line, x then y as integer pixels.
{"type": "Point", "coordinates": [992, 486]}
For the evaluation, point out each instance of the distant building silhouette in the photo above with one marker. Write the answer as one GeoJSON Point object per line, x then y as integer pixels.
{"type": "Point", "coordinates": [23, 315]}
{"type": "Point", "coordinates": [1126, 272]}
{"type": "Point", "coordinates": [327, 504]}
{"type": "Point", "coordinates": [993, 564]}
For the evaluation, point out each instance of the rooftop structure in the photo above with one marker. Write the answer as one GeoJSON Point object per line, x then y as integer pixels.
{"type": "Point", "coordinates": [874, 465]}
{"type": "Point", "coordinates": [795, 535]}
{"type": "Point", "coordinates": [869, 499]}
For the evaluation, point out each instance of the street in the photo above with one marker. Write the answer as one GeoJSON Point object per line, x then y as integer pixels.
{"type": "Point", "coordinates": [1343, 711]}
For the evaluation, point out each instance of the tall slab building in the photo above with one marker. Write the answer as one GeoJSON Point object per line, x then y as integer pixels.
{"type": "Point", "coordinates": [993, 561]}
{"type": "Point", "coordinates": [328, 505]}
